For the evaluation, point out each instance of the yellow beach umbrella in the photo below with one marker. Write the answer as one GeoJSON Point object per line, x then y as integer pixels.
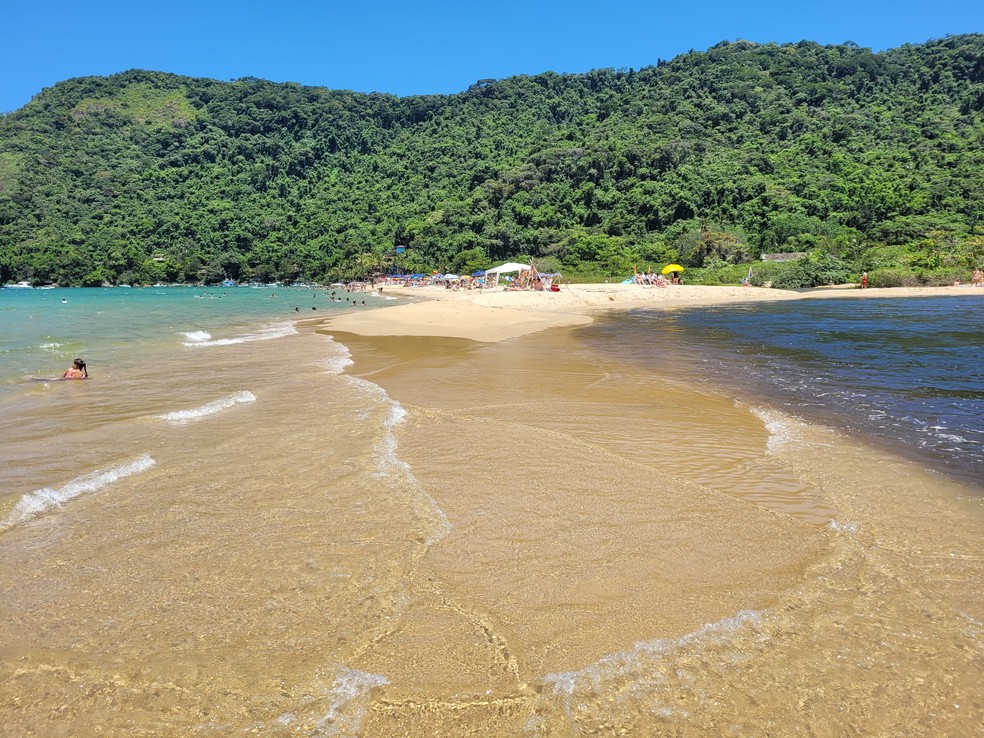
{"type": "Point", "coordinates": [672, 268]}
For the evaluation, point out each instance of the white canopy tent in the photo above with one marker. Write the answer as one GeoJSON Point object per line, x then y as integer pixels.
{"type": "Point", "coordinates": [492, 275]}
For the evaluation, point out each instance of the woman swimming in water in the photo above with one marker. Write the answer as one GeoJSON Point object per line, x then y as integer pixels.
{"type": "Point", "coordinates": [76, 371]}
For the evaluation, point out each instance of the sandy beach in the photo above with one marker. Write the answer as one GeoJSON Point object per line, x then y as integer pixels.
{"type": "Point", "coordinates": [496, 314]}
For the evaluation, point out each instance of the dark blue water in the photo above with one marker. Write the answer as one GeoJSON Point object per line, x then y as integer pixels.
{"type": "Point", "coordinates": [907, 372]}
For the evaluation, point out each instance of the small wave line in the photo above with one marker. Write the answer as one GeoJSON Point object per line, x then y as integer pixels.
{"type": "Point", "coordinates": [209, 408]}
{"type": "Point", "coordinates": [42, 500]}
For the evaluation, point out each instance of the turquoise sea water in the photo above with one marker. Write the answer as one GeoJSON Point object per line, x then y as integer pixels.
{"type": "Point", "coordinates": [908, 372]}
{"type": "Point", "coordinates": [174, 354]}
{"type": "Point", "coordinates": [42, 330]}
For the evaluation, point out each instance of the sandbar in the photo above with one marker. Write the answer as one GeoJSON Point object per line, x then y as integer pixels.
{"type": "Point", "coordinates": [615, 563]}
{"type": "Point", "coordinates": [492, 316]}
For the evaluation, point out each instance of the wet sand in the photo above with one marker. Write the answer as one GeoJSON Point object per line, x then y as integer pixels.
{"type": "Point", "coordinates": [599, 576]}
{"type": "Point", "coordinates": [569, 539]}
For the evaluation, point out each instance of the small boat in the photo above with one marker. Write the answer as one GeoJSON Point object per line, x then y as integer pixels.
{"type": "Point", "coordinates": [20, 286]}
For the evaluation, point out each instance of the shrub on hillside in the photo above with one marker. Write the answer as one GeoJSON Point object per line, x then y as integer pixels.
{"type": "Point", "coordinates": [815, 269]}
{"type": "Point", "coordinates": [901, 277]}
{"type": "Point", "coordinates": [893, 277]}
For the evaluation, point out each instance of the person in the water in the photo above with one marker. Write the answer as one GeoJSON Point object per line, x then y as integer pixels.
{"type": "Point", "coordinates": [76, 371]}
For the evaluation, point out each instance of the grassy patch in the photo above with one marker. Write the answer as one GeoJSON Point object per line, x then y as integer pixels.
{"type": "Point", "coordinates": [143, 103]}
{"type": "Point", "coordinates": [9, 173]}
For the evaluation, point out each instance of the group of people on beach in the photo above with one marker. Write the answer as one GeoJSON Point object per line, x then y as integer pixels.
{"type": "Point", "coordinates": [463, 283]}
{"type": "Point", "coordinates": [652, 279]}
{"type": "Point", "coordinates": [531, 280]}
{"type": "Point", "coordinates": [976, 279]}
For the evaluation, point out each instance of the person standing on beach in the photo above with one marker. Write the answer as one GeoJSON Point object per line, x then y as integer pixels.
{"type": "Point", "coordinates": [864, 280]}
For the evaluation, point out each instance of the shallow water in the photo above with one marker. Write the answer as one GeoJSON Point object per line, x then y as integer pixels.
{"type": "Point", "coordinates": [907, 372]}
{"type": "Point", "coordinates": [447, 538]}
{"type": "Point", "coordinates": [42, 330]}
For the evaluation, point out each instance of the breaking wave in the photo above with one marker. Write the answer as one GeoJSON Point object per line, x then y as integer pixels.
{"type": "Point", "coordinates": [653, 676]}
{"type": "Point", "coordinates": [42, 500]}
{"type": "Point", "coordinates": [209, 408]}
{"type": "Point", "coordinates": [264, 334]}
{"type": "Point", "coordinates": [780, 430]}
{"type": "Point", "coordinates": [388, 464]}
{"type": "Point", "coordinates": [197, 336]}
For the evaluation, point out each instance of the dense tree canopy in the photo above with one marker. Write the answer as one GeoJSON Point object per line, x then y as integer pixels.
{"type": "Point", "coordinates": [873, 160]}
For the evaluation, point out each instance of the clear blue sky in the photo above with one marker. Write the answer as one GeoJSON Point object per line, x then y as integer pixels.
{"type": "Point", "coordinates": [431, 46]}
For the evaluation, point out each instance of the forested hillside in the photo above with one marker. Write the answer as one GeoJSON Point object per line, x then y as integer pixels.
{"type": "Point", "coordinates": [863, 160]}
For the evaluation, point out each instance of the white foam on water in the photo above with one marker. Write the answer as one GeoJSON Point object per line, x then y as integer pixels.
{"type": "Point", "coordinates": [952, 438]}
{"type": "Point", "coordinates": [49, 346]}
{"type": "Point", "coordinates": [780, 430]}
{"type": "Point", "coordinates": [347, 702]}
{"type": "Point", "coordinates": [388, 463]}
{"type": "Point", "coordinates": [197, 336]}
{"type": "Point", "coordinates": [286, 719]}
{"type": "Point", "coordinates": [610, 672]}
{"type": "Point", "coordinates": [209, 408]}
{"type": "Point", "coordinates": [938, 432]}
{"type": "Point", "coordinates": [839, 527]}
{"type": "Point", "coordinates": [340, 359]}
{"type": "Point", "coordinates": [42, 500]}
{"type": "Point", "coordinates": [264, 334]}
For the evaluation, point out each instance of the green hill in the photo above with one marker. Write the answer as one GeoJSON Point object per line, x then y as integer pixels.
{"type": "Point", "coordinates": [862, 160]}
